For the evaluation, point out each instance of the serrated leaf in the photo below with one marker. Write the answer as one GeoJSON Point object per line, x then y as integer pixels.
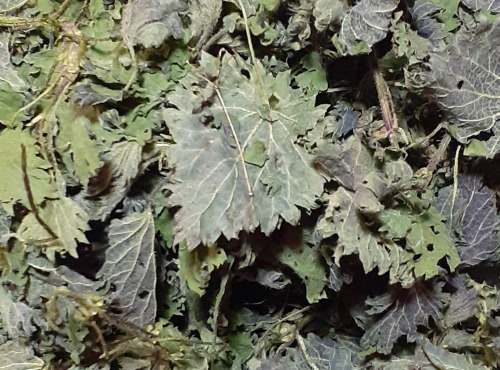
{"type": "Point", "coordinates": [121, 167]}
{"type": "Point", "coordinates": [150, 22]}
{"type": "Point", "coordinates": [66, 219]}
{"type": "Point", "coordinates": [15, 355]}
{"type": "Point", "coordinates": [12, 187]}
{"type": "Point", "coordinates": [324, 353]}
{"type": "Point", "coordinates": [490, 5]}
{"type": "Point", "coordinates": [314, 78]}
{"type": "Point", "coordinates": [130, 266]}
{"type": "Point", "coordinates": [423, 13]}
{"type": "Point", "coordinates": [196, 266]}
{"type": "Point", "coordinates": [368, 21]}
{"type": "Point", "coordinates": [79, 153]}
{"type": "Point", "coordinates": [10, 102]}
{"type": "Point", "coordinates": [307, 263]}
{"type": "Point", "coordinates": [342, 218]}
{"type": "Point", "coordinates": [326, 12]}
{"type": "Point", "coordinates": [467, 83]}
{"type": "Point", "coordinates": [473, 220]}
{"type": "Point", "coordinates": [430, 240]}
{"type": "Point", "coordinates": [395, 224]}
{"type": "Point", "coordinates": [211, 187]}
{"type": "Point", "coordinates": [410, 308]}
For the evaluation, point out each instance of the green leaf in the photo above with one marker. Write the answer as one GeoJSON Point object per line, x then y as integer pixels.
{"type": "Point", "coordinates": [7, 71]}
{"type": "Point", "coordinates": [343, 219]}
{"type": "Point", "coordinates": [211, 186]}
{"type": "Point", "coordinates": [394, 223]}
{"type": "Point", "coordinates": [430, 240]}
{"type": "Point", "coordinates": [467, 84]}
{"type": "Point", "coordinates": [368, 21]}
{"type": "Point", "coordinates": [130, 266]}
{"type": "Point", "coordinates": [10, 102]}
{"type": "Point", "coordinates": [196, 266]}
{"type": "Point", "coordinates": [80, 154]}
{"type": "Point", "coordinates": [314, 78]}
{"type": "Point", "coordinates": [66, 219]}
{"type": "Point", "coordinates": [150, 22]}
{"type": "Point", "coordinates": [12, 187]}
{"type": "Point", "coordinates": [307, 263]}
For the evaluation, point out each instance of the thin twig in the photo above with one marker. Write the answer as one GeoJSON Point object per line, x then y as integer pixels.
{"type": "Point", "coordinates": [233, 131]}
{"type": "Point", "coordinates": [384, 96]}
{"type": "Point", "coordinates": [249, 36]}
{"type": "Point", "coordinates": [306, 355]}
{"type": "Point", "coordinates": [428, 137]}
{"type": "Point", "coordinates": [31, 201]}
{"type": "Point", "coordinates": [455, 182]}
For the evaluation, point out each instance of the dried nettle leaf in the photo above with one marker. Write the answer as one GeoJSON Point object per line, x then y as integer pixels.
{"type": "Point", "coordinates": [468, 83]}
{"type": "Point", "coordinates": [365, 24]}
{"type": "Point", "coordinates": [211, 187]}
{"type": "Point", "coordinates": [130, 266]}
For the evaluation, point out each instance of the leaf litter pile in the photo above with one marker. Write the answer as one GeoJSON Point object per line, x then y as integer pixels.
{"type": "Point", "coordinates": [249, 184]}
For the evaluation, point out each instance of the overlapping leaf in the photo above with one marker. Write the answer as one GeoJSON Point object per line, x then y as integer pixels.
{"type": "Point", "coordinates": [472, 218]}
{"type": "Point", "coordinates": [267, 116]}
{"type": "Point", "coordinates": [491, 5]}
{"type": "Point", "coordinates": [130, 266]}
{"type": "Point", "coordinates": [323, 353]}
{"type": "Point", "coordinates": [12, 186]}
{"type": "Point", "coordinates": [468, 83]}
{"type": "Point", "coordinates": [149, 22]}
{"type": "Point", "coordinates": [368, 21]}
{"type": "Point", "coordinates": [409, 309]}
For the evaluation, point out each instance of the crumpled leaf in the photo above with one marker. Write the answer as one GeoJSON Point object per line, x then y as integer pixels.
{"type": "Point", "coordinates": [16, 355]}
{"type": "Point", "coordinates": [368, 22]}
{"type": "Point", "coordinates": [307, 263]}
{"type": "Point", "coordinates": [79, 153]}
{"type": "Point", "coordinates": [66, 219]}
{"type": "Point", "coordinates": [324, 353]}
{"type": "Point", "coordinates": [467, 83]}
{"type": "Point", "coordinates": [196, 266]}
{"type": "Point", "coordinates": [12, 188]}
{"type": "Point", "coordinates": [423, 13]}
{"type": "Point", "coordinates": [113, 180]}
{"type": "Point", "coordinates": [409, 309]}
{"type": "Point", "coordinates": [150, 22]}
{"type": "Point", "coordinates": [5, 222]}
{"type": "Point", "coordinates": [327, 11]}
{"type": "Point", "coordinates": [443, 359]}
{"type": "Point", "coordinates": [15, 316]}
{"type": "Point", "coordinates": [473, 221]}
{"type": "Point", "coordinates": [7, 72]}
{"type": "Point", "coordinates": [342, 218]}
{"type": "Point", "coordinates": [131, 268]}
{"type": "Point", "coordinates": [491, 5]}
{"type": "Point", "coordinates": [463, 303]}
{"type": "Point", "coordinates": [211, 187]}
{"type": "Point", "coordinates": [430, 241]}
